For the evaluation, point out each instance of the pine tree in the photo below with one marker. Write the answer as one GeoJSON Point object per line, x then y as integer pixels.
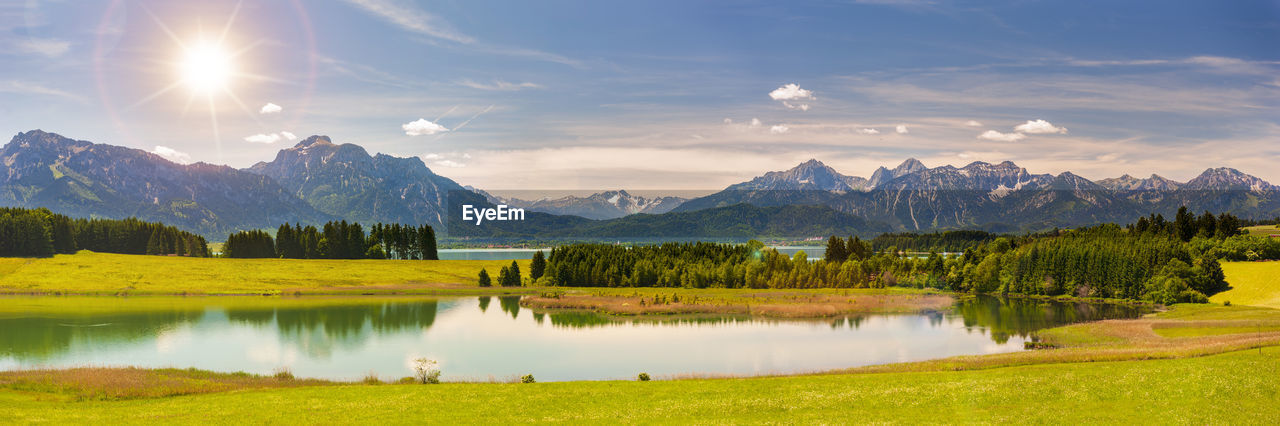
{"type": "Point", "coordinates": [538, 265]}
{"type": "Point", "coordinates": [836, 251]}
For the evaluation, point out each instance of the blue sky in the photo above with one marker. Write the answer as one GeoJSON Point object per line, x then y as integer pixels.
{"type": "Point", "coordinates": [663, 94]}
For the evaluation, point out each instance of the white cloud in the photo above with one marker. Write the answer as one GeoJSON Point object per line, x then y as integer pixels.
{"type": "Point", "coordinates": [973, 123]}
{"type": "Point", "coordinates": [270, 138]}
{"type": "Point", "coordinates": [755, 122]}
{"type": "Point", "coordinates": [44, 46]}
{"type": "Point", "coordinates": [868, 131]}
{"type": "Point", "coordinates": [449, 163]}
{"type": "Point", "coordinates": [779, 129]}
{"type": "Point", "coordinates": [499, 85]}
{"type": "Point", "coordinates": [802, 107]}
{"type": "Point", "coordinates": [422, 127]}
{"type": "Point", "coordinates": [728, 121]}
{"type": "Point", "coordinates": [172, 154]}
{"type": "Point", "coordinates": [792, 92]}
{"type": "Point", "coordinates": [901, 129]}
{"type": "Point", "coordinates": [270, 108]}
{"type": "Point", "coordinates": [993, 135]}
{"type": "Point", "coordinates": [1038, 127]}
{"type": "Point", "coordinates": [432, 156]}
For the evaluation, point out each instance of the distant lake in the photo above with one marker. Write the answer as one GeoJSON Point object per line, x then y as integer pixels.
{"type": "Point", "coordinates": [479, 337]}
{"type": "Point", "coordinates": [813, 252]}
{"type": "Point", "coordinates": [488, 254]}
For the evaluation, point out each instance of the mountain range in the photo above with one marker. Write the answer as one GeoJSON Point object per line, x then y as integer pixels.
{"type": "Point", "coordinates": [997, 197]}
{"type": "Point", "coordinates": [318, 180]}
{"type": "Point", "coordinates": [598, 206]}
{"type": "Point", "coordinates": [84, 179]}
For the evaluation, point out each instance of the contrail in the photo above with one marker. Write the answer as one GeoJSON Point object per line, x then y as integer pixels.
{"type": "Point", "coordinates": [464, 123]}
{"type": "Point", "coordinates": [437, 120]}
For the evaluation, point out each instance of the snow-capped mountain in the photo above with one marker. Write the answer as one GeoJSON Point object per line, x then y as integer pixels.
{"type": "Point", "coordinates": [980, 176]}
{"type": "Point", "coordinates": [1006, 197]}
{"type": "Point", "coordinates": [1224, 178]}
{"type": "Point", "coordinates": [601, 205]}
{"type": "Point", "coordinates": [809, 175]}
{"type": "Point", "coordinates": [1130, 183]}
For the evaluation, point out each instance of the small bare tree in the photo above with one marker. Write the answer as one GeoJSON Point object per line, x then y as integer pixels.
{"type": "Point", "coordinates": [426, 370]}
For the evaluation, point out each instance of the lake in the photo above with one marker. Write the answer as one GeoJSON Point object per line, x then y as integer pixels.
{"type": "Point", "coordinates": [478, 338]}
{"type": "Point", "coordinates": [812, 252]}
{"type": "Point", "coordinates": [488, 254]}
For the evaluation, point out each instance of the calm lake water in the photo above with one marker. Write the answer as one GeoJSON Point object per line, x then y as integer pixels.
{"type": "Point", "coordinates": [487, 254]}
{"type": "Point", "coordinates": [812, 252]}
{"type": "Point", "coordinates": [481, 337]}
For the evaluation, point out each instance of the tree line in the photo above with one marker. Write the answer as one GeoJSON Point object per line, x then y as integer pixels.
{"type": "Point", "coordinates": [946, 241]}
{"type": "Point", "coordinates": [41, 233]}
{"type": "Point", "coordinates": [1136, 262]}
{"type": "Point", "coordinates": [335, 240]}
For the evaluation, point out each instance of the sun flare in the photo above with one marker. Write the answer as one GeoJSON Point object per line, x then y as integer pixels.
{"type": "Point", "coordinates": [206, 68]}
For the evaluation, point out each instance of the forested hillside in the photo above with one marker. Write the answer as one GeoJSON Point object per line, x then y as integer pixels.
{"type": "Point", "coordinates": [40, 232]}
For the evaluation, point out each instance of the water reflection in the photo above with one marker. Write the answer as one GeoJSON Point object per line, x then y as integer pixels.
{"type": "Point", "coordinates": [344, 338]}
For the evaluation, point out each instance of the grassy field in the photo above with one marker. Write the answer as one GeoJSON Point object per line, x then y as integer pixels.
{"type": "Point", "coordinates": [102, 273]}
{"type": "Point", "coordinates": [1205, 363]}
{"type": "Point", "coordinates": [1193, 364]}
{"type": "Point", "coordinates": [1252, 283]}
{"type": "Point", "coordinates": [1237, 387]}
{"type": "Point", "coordinates": [1263, 230]}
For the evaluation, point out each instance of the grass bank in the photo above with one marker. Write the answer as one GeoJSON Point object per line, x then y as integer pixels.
{"type": "Point", "coordinates": [1237, 387]}
{"type": "Point", "coordinates": [118, 274]}
{"type": "Point", "coordinates": [778, 303]}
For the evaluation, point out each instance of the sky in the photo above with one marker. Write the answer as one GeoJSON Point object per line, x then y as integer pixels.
{"type": "Point", "coordinates": [659, 95]}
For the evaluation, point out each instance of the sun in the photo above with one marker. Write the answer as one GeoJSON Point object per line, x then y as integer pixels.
{"type": "Point", "coordinates": [206, 68]}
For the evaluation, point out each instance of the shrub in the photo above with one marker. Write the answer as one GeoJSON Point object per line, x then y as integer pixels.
{"type": "Point", "coordinates": [1226, 303]}
{"type": "Point", "coordinates": [644, 377]}
{"type": "Point", "coordinates": [283, 373]}
{"type": "Point", "coordinates": [426, 370]}
{"type": "Point", "coordinates": [528, 378]}
{"type": "Point", "coordinates": [371, 378]}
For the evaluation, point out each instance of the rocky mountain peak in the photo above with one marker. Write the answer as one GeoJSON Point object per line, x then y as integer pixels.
{"type": "Point", "coordinates": [910, 165]}
{"type": "Point", "coordinates": [314, 140]}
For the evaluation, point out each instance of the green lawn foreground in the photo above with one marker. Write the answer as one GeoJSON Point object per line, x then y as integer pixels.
{"type": "Point", "coordinates": [1238, 387]}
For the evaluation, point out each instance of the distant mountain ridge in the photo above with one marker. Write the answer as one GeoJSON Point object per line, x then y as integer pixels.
{"type": "Point", "coordinates": [599, 206]}
{"type": "Point", "coordinates": [1003, 197]}
{"type": "Point", "coordinates": [84, 179]}
{"type": "Point", "coordinates": [318, 180]}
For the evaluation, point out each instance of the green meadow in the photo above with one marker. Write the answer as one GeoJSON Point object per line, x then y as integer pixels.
{"type": "Point", "coordinates": [1252, 283]}
{"type": "Point", "coordinates": [1237, 387]}
{"type": "Point", "coordinates": [108, 274]}
{"type": "Point", "coordinates": [1193, 363]}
